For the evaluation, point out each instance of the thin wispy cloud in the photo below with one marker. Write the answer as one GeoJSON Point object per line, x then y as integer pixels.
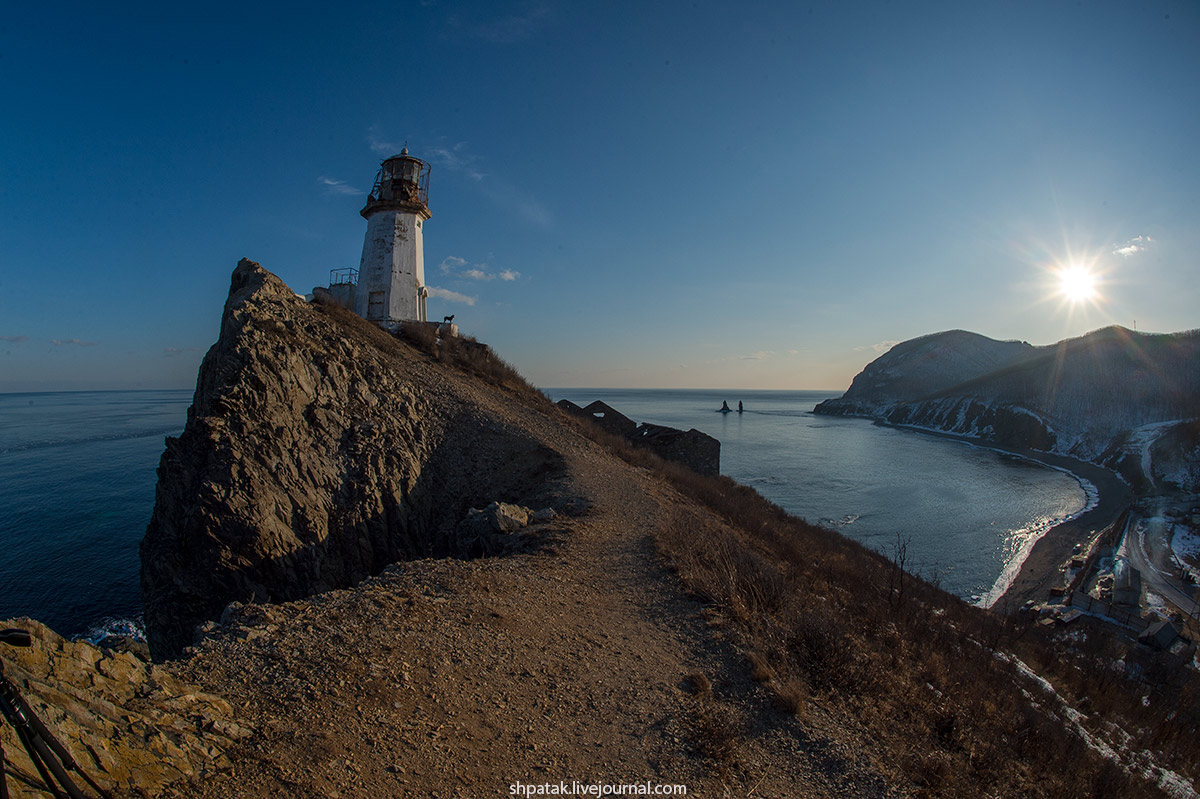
{"type": "Point", "coordinates": [335, 186]}
{"type": "Point", "coordinates": [450, 296]}
{"type": "Point", "coordinates": [171, 352]}
{"type": "Point", "coordinates": [525, 207]}
{"type": "Point", "coordinates": [457, 158]}
{"type": "Point", "coordinates": [761, 355]}
{"type": "Point", "coordinates": [1133, 246]}
{"type": "Point", "coordinates": [381, 145]}
{"type": "Point", "coordinates": [881, 347]}
{"type": "Point", "coordinates": [15, 339]}
{"type": "Point", "coordinates": [455, 267]}
{"type": "Point", "coordinates": [61, 342]}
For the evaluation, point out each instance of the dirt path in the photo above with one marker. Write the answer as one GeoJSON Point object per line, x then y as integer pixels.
{"type": "Point", "coordinates": [464, 678]}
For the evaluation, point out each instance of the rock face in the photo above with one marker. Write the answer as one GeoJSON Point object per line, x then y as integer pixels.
{"type": "Point", "coordinates": [1104, 396]}
{"type": "Point", "coordinates": [315, 454]}
{"type": "Point", "coordinates": [125, 722]}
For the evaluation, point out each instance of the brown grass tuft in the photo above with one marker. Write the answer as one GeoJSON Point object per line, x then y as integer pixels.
{"type": "Point", "coordinates": [791, 698]}
{"type": "Point", "coordinates": [759, 670]}
{"type": "Point", "coordinates": [716, 732]}
{"type": "Point", "coordinates": [697, 684]}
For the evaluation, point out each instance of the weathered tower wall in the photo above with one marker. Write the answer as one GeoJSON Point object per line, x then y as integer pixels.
{"type": "Point", "coordinates": [391, 283]}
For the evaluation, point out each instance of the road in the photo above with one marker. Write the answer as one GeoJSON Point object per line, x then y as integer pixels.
{"type": "Point", "coordinates": [1148, 546]}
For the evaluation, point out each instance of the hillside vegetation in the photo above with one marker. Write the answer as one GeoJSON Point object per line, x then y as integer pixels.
{"type": "Point", "coordinates": [621, 619]}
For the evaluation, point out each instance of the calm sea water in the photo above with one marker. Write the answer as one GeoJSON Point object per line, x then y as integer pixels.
{"type": "Point", "coordinates": [77, 474]}
{"type": "Point", "coordinates": [965, 512]}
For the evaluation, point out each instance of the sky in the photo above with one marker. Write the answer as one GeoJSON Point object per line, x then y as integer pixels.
{"type": "Point", "coordinates": [674, 194]}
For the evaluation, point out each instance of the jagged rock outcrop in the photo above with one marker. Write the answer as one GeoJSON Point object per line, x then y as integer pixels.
{"type": "Point", "coordinates": [315, 454]}
{"type": "Point", "coordinates": [126, 723]}
{"type": "Point", "coordinates": [1101, 397]}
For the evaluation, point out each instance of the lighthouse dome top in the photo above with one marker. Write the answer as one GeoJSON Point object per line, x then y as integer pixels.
{"type": "Point", "coordinates": [402, 183]}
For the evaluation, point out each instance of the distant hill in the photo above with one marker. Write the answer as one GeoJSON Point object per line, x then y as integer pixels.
{"type": "Point", "coordinates": [1113, 396]}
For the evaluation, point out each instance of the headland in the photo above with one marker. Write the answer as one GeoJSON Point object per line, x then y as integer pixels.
{"type": "Point", "coordinates": [381, 566]}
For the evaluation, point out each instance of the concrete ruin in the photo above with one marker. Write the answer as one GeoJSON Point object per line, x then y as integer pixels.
{"type": "Point", "coordinates": [698, 451]}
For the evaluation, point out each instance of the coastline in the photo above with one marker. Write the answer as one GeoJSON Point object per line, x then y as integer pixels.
{"type": "Point", "coordinates": [1038, 567]}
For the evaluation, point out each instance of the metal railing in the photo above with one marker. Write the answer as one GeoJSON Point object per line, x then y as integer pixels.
{"type": "Point", "coordinates": [341, 277]}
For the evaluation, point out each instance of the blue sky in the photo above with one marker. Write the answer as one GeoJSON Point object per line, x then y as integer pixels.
{"type": "Point", "coordinates": [624, 194]}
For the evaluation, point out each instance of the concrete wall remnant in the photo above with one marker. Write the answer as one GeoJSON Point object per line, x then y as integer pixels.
{"type": "Point", "coordinates": [694, 449]}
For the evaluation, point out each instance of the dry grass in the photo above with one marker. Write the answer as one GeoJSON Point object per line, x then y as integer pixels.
{"type": "Point", "coordinates": [468, 355]}
{"type": "Point", "coordinates": [932, 678]}
{"type": "Point", "coordinates": [716, 731]}
{"type": "Point", "coordinates": [697, 684]}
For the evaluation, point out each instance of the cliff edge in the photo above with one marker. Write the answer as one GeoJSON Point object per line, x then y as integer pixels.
{"type": "Point", "coordinates": [315, 454]}
{"type": "Point", "coordinates": [410, 575]}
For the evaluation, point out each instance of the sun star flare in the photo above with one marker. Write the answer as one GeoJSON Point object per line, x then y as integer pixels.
{"type": "Point", "coordinates": [1077, 283]}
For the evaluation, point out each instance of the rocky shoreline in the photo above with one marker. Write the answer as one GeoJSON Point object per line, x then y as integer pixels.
{"type": "Point", "coordinates": [131, 725]}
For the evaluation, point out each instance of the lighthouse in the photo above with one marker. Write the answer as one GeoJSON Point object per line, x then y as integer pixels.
{"type": "Point", "coordinates": [391, 276]}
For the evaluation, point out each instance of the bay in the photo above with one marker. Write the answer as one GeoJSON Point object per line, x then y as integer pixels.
{"type": "Point", "coordinates": [965, 514]}
{"type": "Point", "coordinates": [77, 476]}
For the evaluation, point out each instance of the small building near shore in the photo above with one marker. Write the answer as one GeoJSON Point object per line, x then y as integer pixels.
{"type": "Point", "coordinates": [607, 418]}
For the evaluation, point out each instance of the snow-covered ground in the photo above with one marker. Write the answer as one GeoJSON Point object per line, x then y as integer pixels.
{"type": "Point", "coordinates": [1186, 545]}
{"type": "Point", "coordinates": [1141, 439]}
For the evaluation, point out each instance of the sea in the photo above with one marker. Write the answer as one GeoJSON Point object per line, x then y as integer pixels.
{"type": "Point", "coordinates": [77, 475]}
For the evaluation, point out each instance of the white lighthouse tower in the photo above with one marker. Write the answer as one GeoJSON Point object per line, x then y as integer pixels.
{"type": "Point", "coordinates": [391, 276]}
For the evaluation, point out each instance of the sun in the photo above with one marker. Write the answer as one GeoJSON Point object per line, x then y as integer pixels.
{"type": "Point", "coordinates": [1077, 283]}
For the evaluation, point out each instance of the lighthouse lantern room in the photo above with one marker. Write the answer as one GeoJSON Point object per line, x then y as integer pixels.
{"type": "Point", "coordinates": [391, 276]}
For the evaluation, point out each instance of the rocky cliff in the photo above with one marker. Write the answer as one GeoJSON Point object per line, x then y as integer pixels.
{"type": "Point", "coordinates": [131, 726]}
{"type": "Point", "coordinates": [1106, 397]}
{"type": "Point", "coordinates": [313, 456]}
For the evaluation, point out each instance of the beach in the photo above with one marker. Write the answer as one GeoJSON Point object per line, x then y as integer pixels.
{"type": "Point", "coordinates": [1041, 568]}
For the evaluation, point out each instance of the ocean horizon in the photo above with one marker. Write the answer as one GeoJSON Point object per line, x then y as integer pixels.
{"type": "Point", "coordinates": [79, 470]}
